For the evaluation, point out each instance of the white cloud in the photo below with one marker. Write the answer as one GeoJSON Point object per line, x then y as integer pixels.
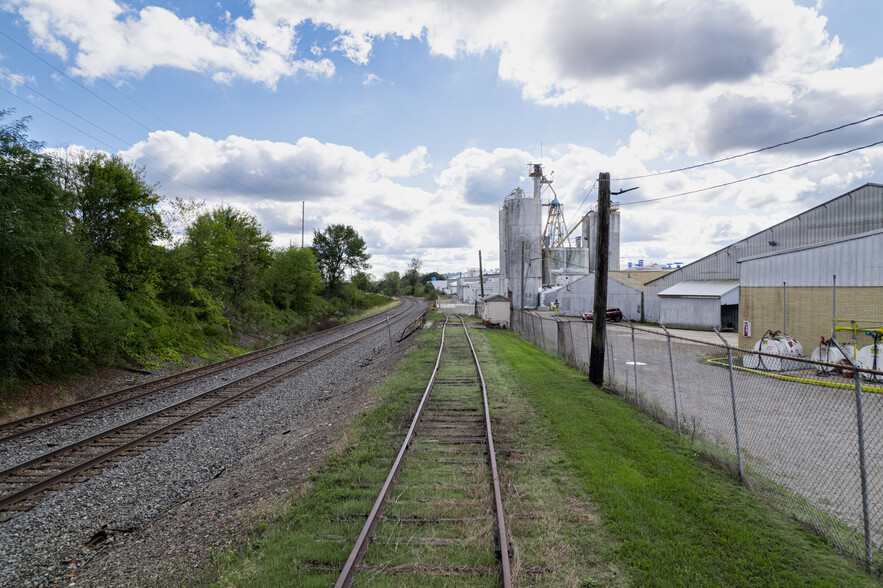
{"type": "Point", "coordinates": [109, 41]}
{"type": "Point", "coordinates": [768, 62]}
{"type": "Point", "coordinates": [447, 224]}
{"type": "Point", "coordinates": [371, 80]}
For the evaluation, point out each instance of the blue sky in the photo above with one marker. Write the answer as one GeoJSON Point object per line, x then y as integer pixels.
{"type": "Point", "coordinates": [412, 121]}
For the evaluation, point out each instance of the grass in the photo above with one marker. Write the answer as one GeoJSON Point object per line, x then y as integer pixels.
{"type": "Point", "coordinates": [596, 493]}
{"type": "Point", "coordinates": [342, 493]}
{"type": "Point", "coordinates": [370, 312]}
{"type": "Point", "coordinates": [677, 520]}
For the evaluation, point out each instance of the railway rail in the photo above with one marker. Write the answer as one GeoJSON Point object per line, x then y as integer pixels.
{"type": "Point", "coordinates": [440, 510]}
{"type": "Point", "coordinates": [72, 412]}
{"type": "Point", "coordinates": [21, 484]}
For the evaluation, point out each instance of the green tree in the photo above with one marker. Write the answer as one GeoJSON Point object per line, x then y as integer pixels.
{"type": "Point", "coordinates": [229, 252]}
{"type": "Point", "coordinates": [292, 281]}
{"type": "Point", "coordinates": [336, 248]}
{"type": "Point", "coordinates": [56, 309]}
{"type": "Point", "coordinates": [427, 278]}
{"type": "Point", "coordinates": [362, 281]}
{"type": "Point", "coordinates": [391, 284]}
{"type": "Point", "coordinates": [116, 212]}
{"type": "Point", "coordinates": [411, 279]}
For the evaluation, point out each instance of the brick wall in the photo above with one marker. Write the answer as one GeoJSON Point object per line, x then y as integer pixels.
{"type": "Point", "coordinates": [808, 313]}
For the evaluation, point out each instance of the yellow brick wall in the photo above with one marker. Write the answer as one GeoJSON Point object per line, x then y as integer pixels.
{"type": "Point", "coordinates": [808, 313]}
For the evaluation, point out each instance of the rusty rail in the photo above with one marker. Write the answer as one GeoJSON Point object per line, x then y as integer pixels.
{"type": "Point", "coordinates": [360, 548]}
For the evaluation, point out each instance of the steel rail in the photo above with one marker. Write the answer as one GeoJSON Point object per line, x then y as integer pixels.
{"type": "Point", "coordinates": [348, 573]}
{"type": "Point", "coordinates": [356, 556]}
{"type": "Point", "coordinates": [503, 535]}
{"type": "Point", "coordinates": [16, 497]}
{"type": "Point", "coordinates": [134, 393]}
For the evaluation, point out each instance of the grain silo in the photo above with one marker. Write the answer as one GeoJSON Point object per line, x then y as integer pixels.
{"type": "Point", "coordinates": [521, 222]}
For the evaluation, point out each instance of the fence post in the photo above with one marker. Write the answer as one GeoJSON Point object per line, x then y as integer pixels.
{"type": "Point", "coordinates": [611, 363]}
{"type": "Point", "coordinates": [862, 461]}
{"type": "Point", "coordinates": [635, 364]}
{"type": "Point", "coordinates": [674, 386]}
{"type": "Point", "coordinates": [733, 397]}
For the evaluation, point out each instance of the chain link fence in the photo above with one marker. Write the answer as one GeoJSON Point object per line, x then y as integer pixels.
{"type": "Point", "coordinates": [807, 437]}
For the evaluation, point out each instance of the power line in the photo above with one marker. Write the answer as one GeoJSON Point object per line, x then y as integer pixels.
{"type": "Point", "coordinates": [63, 107]}
{"type": "Point", "coordinates": [754, 177]}
{"type": "Point", "coordinates": [111, 86]}
{"type": "Point", "coordinates": [139, 123]}
{"type": "Point", "coordinates": [109, 146]}
{"type": "Point", "coordinates": [671, 171]}
{"type": "Point", "coordinates": [592, 189]}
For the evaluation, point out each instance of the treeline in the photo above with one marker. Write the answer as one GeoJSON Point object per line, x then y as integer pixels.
{"type": "Point", "coordinates": [412, 283]}
{"type": "Point", "coordinates": [84, 281]}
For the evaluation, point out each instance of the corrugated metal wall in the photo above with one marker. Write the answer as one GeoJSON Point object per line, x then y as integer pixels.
{"type": "Point", "coordinates": [690, 312]}
{"type": "Point", "coordinates": [580, 298]}
{"type": "Point", "coordinates": [855, 262]}
{"type": "Point", "coordinates": [858, 211]}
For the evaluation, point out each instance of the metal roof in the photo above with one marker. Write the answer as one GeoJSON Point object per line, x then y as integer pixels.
{"type": "Point", "coordinates": [701, 288]}
{"type": "Point", "coordinates": [496, 298]}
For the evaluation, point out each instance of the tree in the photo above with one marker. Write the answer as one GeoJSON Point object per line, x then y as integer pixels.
{"type": "Point", "coordinates": [292, 280]}
{"type": "Point", "coordinates": [336, 248]}
{"type": "Point", "coordinates": [56, 309]}
{"type": "Point", "coordinates": [362, 281]}
{"type": "Point", "coordinates": [427, 278]}
{"type": "Point", "coordinates": [391, 284]}
{"type": "Point", "coordinates": [115, 211]}
{"type": "Point", "coordinates": [229, 252]}
{"type": "Point", "coordinates": [411, 278]}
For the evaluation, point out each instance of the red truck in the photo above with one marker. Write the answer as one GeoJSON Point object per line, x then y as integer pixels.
{"type": "Point", "coordinates": [613, 314]}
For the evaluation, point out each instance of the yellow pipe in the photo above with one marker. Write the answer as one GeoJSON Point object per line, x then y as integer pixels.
{"type": "Point", "coordinates": [865, 388]}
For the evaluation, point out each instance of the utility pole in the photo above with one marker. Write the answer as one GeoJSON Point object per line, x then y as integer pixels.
{"type": "Point", "coordinates": [599, 316]}
{"type": "Point", "coordinates": [480, 273]}
{"type": "Point", "coordinates": [522, 275]}
{"type": "Point", "coordinates": [303, 210]}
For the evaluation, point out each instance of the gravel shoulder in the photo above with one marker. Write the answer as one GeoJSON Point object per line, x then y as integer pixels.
{"type": "Point", "coordinates": [160, 518]}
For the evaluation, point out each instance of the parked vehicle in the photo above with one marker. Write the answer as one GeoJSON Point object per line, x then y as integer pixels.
{"type": "Point", "coordinates": [613, 314]}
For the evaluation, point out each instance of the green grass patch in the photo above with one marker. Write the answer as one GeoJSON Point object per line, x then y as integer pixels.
{"type": "Point", "coordinates": [596, 494]}
{"type": "Point", "coordinates": [675, 519]}
{"type": "Point", "coordinates": [321, 526]}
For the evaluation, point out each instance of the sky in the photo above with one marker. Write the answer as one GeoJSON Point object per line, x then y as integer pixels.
{"type": "Point", "coordinates": [412, 121]}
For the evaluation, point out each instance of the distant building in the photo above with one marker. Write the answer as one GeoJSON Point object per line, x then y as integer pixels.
{"type": "Point", "coordinates": [495, 310]}
{"type": "Point", "coordinates": [546, 256]}
{"type": "Point", "coordinates": [685, 297]}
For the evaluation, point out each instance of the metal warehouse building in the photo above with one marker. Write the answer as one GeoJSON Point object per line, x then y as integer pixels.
{"type": "Point", "coordinates": [854, 213]}
{"type": "Point", "coordinates": [794, 289]}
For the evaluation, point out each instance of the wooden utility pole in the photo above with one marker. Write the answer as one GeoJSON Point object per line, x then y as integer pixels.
{"type": "Point", "coordinates": [522, 275]}
{"type": "Point", "coordinates": [599, 311]}
{"type": "Point", "coordinates": [480, 273]}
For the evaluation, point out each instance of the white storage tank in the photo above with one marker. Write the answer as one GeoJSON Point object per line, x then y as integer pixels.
{"type": "Point", "coordinates": [871, 357]}
{"type": "Point", "coordinates": [776, 344]}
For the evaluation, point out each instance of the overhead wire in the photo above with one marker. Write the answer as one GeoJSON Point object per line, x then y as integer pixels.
{"type": "Point", "coordinates": [111, 147]}
{"type": "Point", "coordinates": [755, 151]}
{"type": "Point", "coordinates": [136, 121]}
{"type": "Point", "coordinates": [580, 207]}
{"type": "Point", "coordinates": [756, 176]}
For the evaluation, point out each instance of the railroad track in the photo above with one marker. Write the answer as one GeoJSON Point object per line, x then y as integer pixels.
{"type": "Point", "coordinates": [440, 512]}
{"type": "Point", "coordinates": [73, 412]}
{"type": "Point", "coordinates": [25, 482]}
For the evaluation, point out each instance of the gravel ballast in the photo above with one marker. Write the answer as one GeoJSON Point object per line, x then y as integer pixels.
{"type": "Point", "coordinates": [160, 517]}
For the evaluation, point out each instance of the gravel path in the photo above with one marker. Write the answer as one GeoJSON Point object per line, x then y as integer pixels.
{"type": "Point", "coordinates": [157, 519]}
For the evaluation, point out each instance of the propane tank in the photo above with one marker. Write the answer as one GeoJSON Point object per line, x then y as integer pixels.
{"type": "Point", "coordinates": [871, 358]}
{"type": "Point", "coordinates": [777, 344]}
